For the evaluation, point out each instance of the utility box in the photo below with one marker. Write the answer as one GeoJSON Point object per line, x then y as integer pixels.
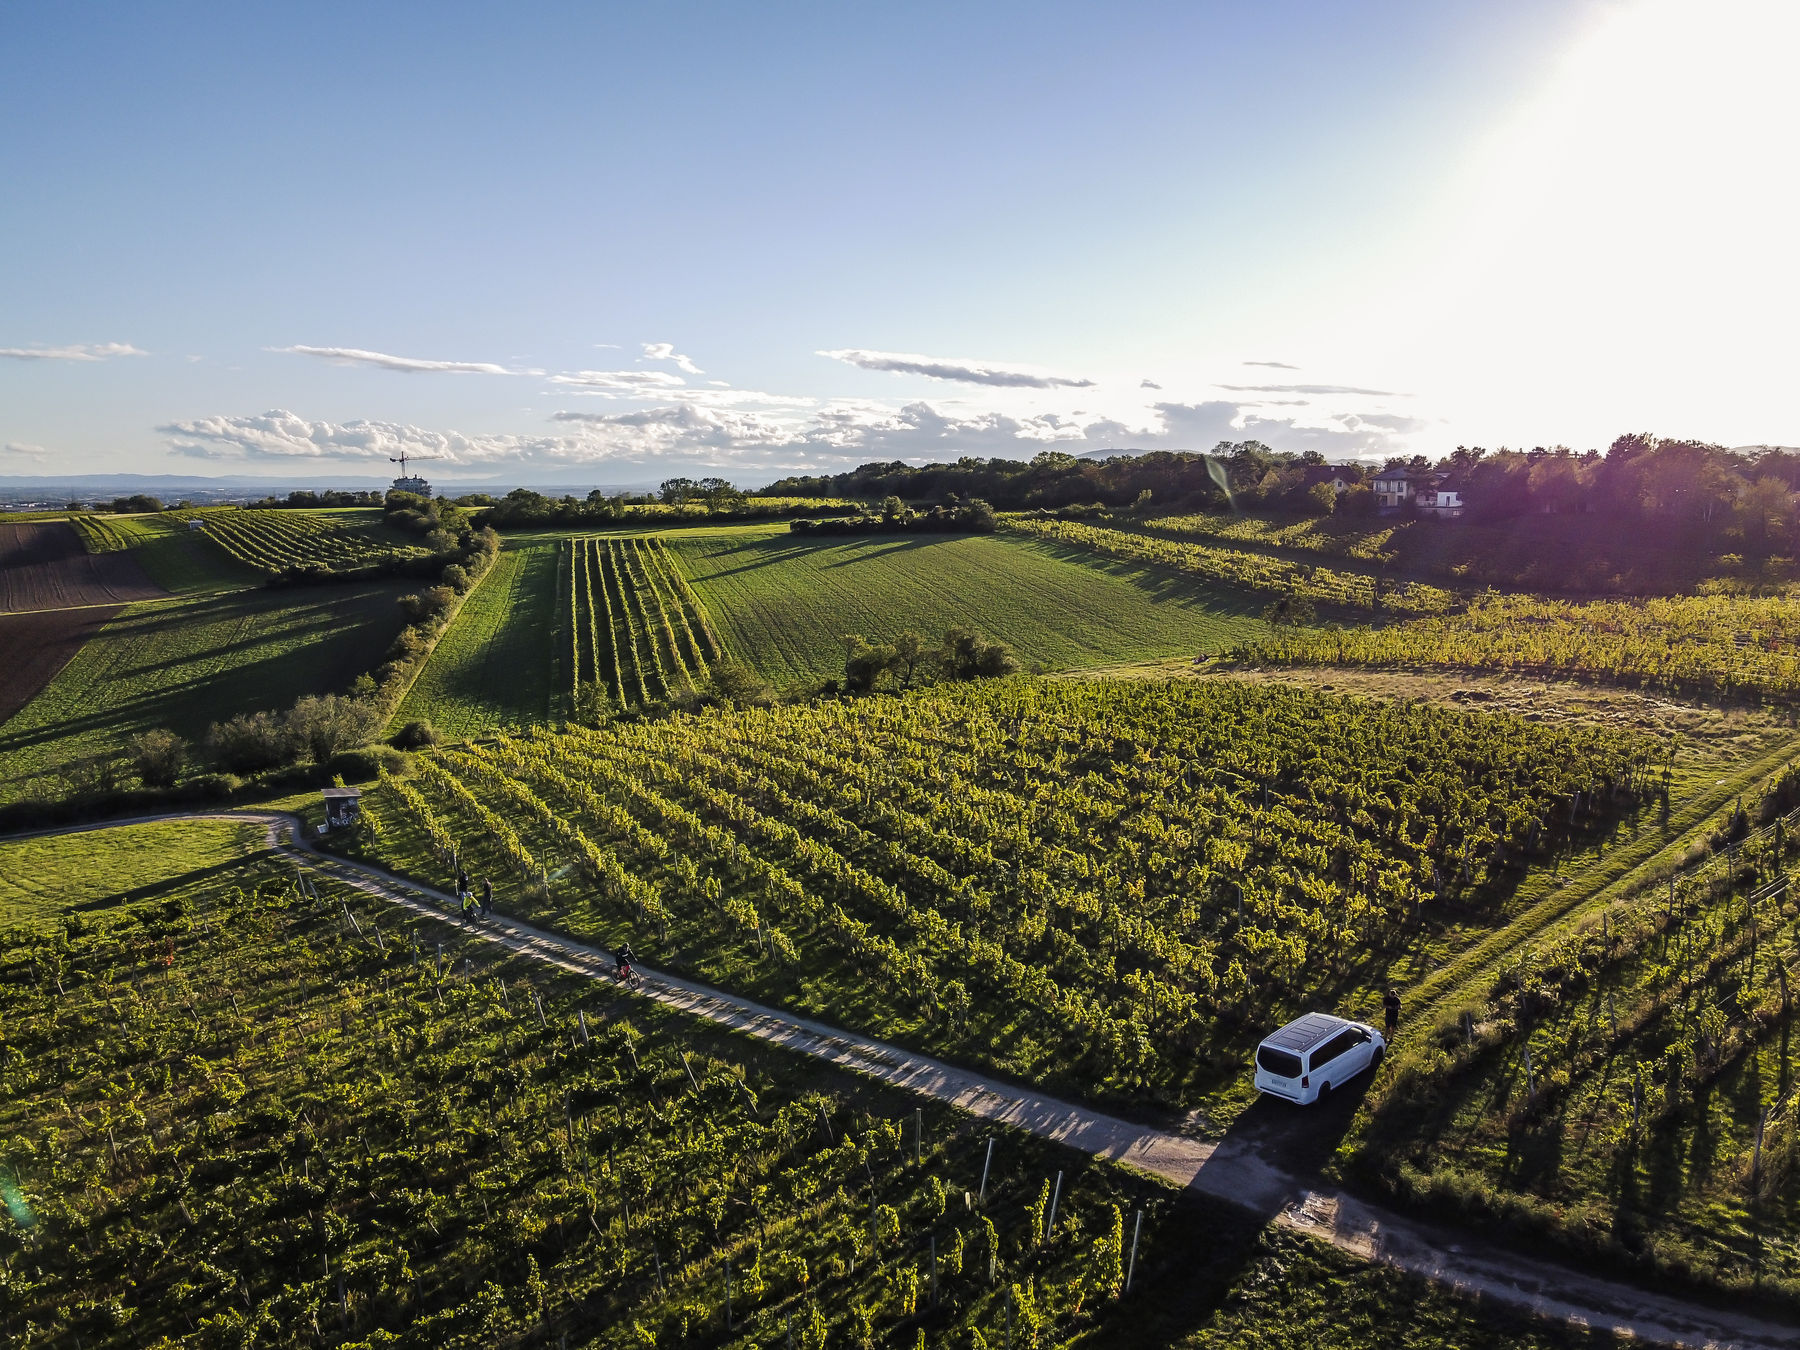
{"type": "Point", "coordinates": [343, 807]}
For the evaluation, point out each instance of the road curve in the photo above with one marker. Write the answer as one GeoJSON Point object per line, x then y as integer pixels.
{"type": "Point", "coordinates": [1231, 1172]}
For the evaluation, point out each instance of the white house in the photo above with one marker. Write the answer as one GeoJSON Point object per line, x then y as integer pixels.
{"type": "Point", "coordinates": [1425, 491]}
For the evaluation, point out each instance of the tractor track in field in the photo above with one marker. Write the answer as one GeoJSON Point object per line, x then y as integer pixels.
{"type": "Point", "coordinates": [1236, 1170]}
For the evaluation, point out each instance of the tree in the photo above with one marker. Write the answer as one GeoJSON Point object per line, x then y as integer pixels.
{"type": "Point", "coordinates": [250, 743]}
{"type": "Point", "coordinates": [892, 508]}
{"type": "Point", "coordinates": [1763, 507]}
{"type": "Point", "coordinates": [331, 724]}
{"type": "Point", "coordinates": [865, 663]}
{"type": "Point", "coordinates": [157, 757]}
{"type": "Point", "coordinates": [1321, 499]}
{"type": "Point", "coordinates": [1289, 609]}
{"type": "Point", "coordinates": [966, 655]}
{"type": "Point", "coordinates": [734, 682]}
{"type": "Point", "coordinates": [909, 650]}
{"type": "Point", "coordinates": [675, 491]}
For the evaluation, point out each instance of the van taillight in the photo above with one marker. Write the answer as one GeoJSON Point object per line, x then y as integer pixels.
{"type": "Point", "coordinates": [1305, 1081]}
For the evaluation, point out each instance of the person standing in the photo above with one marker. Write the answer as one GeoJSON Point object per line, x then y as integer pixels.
{"type": "Point", "coordinates": [1390, 1007]}
{"type": "Point", "coordinates": [487, 896]}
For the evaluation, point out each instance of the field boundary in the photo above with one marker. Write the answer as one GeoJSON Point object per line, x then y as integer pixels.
{"type": "Point", "coordinates": [1231, 1171]}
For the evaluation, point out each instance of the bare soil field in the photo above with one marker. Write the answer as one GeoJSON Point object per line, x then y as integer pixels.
{"type": "Point", "coordinates": [35, 646]}
{"type": "Point", "coordinates": [44, 566]}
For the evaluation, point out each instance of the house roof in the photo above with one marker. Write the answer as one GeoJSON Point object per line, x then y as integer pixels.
{"type": "Point", "coordinates": [335, 794]}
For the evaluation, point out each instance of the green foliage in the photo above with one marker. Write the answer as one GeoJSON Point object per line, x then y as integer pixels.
{"type": "Point", "coordinates": [631, 626]}
{"type": "Point", "coordinates": [1711, 645]}
{"type": "Point", "coordinates": [1025, 873]}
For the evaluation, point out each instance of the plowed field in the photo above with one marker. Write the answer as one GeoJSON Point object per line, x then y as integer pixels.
{"type": "Point", "coordinates": [34, 647]}
{"type": "Point", "coordinates": [44, 566]}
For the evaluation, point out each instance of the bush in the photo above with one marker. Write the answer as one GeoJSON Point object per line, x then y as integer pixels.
{"type": "Point", "coordinates": [326, 726]}
{"type": "Point", "coordinates": [157, 757]}
{"type": "Point", "coordinates": [415, 735]}
{"type": "Point", "coordinates": [370, 761]}
{"type": "Point", "coordinates": [250, 743]}
{"type": "Point", "coordinates": [966, 655]}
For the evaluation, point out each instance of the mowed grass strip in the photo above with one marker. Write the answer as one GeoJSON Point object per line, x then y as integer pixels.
{"type": "Point", "coordinates": [185, 664]}
{"type": "Point", "coordinates": [41, 878]}
{"type": "Point", "coordinates": [496, 665]}
{"type": "Point", "coordinates": [784, 604]}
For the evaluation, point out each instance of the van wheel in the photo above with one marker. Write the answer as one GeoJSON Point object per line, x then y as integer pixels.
{"type": "Point", "coordinates": [1376, 1058]}
{"type": "Point", "coordinates": [1324, 1093]}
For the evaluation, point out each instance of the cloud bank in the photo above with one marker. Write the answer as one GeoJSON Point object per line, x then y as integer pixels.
{"type": "Point", "coordinates": [965, 372]}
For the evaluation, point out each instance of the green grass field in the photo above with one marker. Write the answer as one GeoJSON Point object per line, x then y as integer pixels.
{"type": "Point", "coordinates": [180, 560]}
{"type": "Point", "coordinates": [41, 878]}
{"type": "Point", "coordinates": [496, 664]}
{"type": "Point", "coordinates": [784, 604]}
{"type": "Point", "coordinates": [187, 663]}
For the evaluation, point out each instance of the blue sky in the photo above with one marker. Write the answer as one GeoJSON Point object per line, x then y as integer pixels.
{"type": "Point", "coordinates": [602, 243]}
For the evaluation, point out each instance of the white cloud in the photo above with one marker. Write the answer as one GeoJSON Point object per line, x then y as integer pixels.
{"type": "Point", "coordinates": [1148, 384]}
{"type": "Point", "coordinates": [966, 372]}
{"type": "Point", "coordinates": [1309, 389]}
{"type": "Point", "coordinates": [665, 351]}
{"type": "Point", "coordinates": [81, 351]}
{"type": "Point", "coordinates": [620, 383]}
{"type": "Point", "coordinates": [1273, 365]}
{"type": "Point", "coordinates": [21, 450]}
{"type": "Point", "coordinates": [410, 365]}
{"type": "Point", "coordinates": [282, 435]}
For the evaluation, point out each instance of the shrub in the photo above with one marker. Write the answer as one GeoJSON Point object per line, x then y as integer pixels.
{"type": "Point", "coordinates": [371, 761]}
{"type": "Point", "coordinates": [331, 724]}
{"type": "Point", "coordinates": [415, 735]}
{"type": "Point", "coordinates": [250, 743]}
{"type": "Point", "coordinates": [157, 757]}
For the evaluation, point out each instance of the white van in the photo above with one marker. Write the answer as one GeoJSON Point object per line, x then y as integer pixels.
{"type": "Point", "coordinates": [1313, 1054]}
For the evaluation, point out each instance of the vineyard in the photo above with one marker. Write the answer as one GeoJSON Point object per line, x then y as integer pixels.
{"type": "Point", "coordinates": [1728, 646]}
{"type": "Point", "coordinates": [633, 629]}
{"type": "Point", "coordinates": [1101, 886]}
{"type": "Point", "coordinates": [275, 541]}
{"type": "Point", "coordinates": [1626, 1083]}
{"type": "Point", "coordinates": [180, 560]}
{"type": "Point", "coordinates": [255, 1110]}
{"type": "Point", "coordinates": [1234, 567]}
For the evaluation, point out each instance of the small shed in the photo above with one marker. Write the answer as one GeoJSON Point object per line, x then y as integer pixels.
{"type": "Point", "coordinates": [343, 807]}
{"type": "Point", "coordinates": [195, 523]}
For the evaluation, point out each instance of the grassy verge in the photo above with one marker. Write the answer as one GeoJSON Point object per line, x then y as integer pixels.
{"type": "Point", "coordinates": [180, 560]}
{"type": "Point", "coordinates": [493, 666]}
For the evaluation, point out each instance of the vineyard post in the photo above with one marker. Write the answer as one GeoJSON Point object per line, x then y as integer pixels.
{"type": "Point", "coordinates": [539, 1004]}
{"type": "Point", "coordinates": [990, 1162]}
{"type": "Point", "coordinates": [1637, 1084]}
{"type": "Point", "coordinates": [581, 1017]}
{"type": "Point", "coordinates": [1530, 1088]}
{"type": "Point", "coordinates": [1137, 1227]}
{"type": "Point", "coordinates": [1050, 1223]}
{"type": "Point", "coordinates": [918, 1135]}
{"type": "Point", "coordinates": [690, 1071]}
{"type": "Point", "coordinates": [1762, 1123]}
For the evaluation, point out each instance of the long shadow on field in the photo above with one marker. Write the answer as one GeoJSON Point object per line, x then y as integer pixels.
{"type": "Point", "coordinates": [162, 887]}
{"type": "Point", "coordinates": [770, 551]}
{"type": "Point", "coordinates": [1164, 585]}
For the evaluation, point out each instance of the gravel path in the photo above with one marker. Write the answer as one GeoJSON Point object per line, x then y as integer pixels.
{"type": "Point", "coordinates": [1232, 1171]}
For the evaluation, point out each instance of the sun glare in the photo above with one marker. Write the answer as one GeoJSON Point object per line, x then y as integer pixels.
{"type": "Point", "coordinates": [1625, 246]}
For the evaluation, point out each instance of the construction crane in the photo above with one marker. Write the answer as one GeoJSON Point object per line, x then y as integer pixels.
{"type": "Point", "coordinates": [402, 458]}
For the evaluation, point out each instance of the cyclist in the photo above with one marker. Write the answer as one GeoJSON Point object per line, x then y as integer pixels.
{"type": "Point", "coordinates": [622, 959]}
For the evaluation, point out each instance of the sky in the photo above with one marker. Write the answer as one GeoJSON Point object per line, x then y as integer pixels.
{"type": "Point", "coordinates": [608, 243]}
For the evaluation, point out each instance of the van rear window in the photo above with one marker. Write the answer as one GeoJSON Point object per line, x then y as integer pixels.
{"type": "Point", "coordinates": [1278, 1062]}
